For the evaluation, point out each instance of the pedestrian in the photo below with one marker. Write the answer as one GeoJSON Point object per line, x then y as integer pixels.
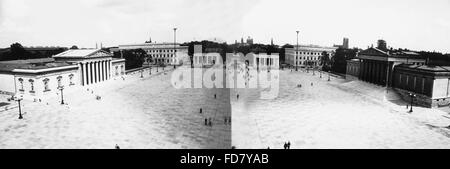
{"type": "Point", "coordinates": [209, 122]}
{"type": "Point", "coordinates": [214, 96]}
{"type": "Point", "coordinates": [117, 146]}
{"type": "Point", "coordinates": [289, 145]}
{"type": "Point", "coordinates": [201, 110]}
{"type": "Point", "coordinates": [285, 145]}
{"type": "Point", "coordinates": [238, 96]}
{"type": "Point", "coordinates": [406, 106]}
{"type": "Point", "coordinates": [311, 84]}
{"type": "Point", "coordinates": [206, 121]}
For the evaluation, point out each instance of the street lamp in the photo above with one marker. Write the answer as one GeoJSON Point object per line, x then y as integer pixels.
{"type": "Point", "coordinates": [296, 53]}
{"type": "Point", "coordinates": [412, 98]}
{"type": "Point", "coordinates": [20, 110]}
{"type": "Point", "coordinates": [174, 43]}
{"type": "Point", "coordinates": [62, 95]}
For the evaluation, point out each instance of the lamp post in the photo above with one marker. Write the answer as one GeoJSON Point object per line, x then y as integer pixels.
{"type": "Point", "coordinates": [20, 110]}
{"type": "Point", "coordinates": [412, 98]}
{"type": "Point", "coordinates": [62, 95]}
{"type": "Point", "coordinates": [296, 53]}
{"type": "Point", "coordinates": [174, 43]}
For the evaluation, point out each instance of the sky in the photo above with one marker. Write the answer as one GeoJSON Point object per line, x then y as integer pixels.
{"type": "Point", "coordinates": [412, 24]}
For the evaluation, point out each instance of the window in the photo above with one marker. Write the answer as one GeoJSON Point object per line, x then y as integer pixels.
{"type": "Point", "coordinates": [46, 84]}
{"type": "Point", "coordinates": [70, 78]}
{"type": "Point", "coordinates": [21, 84]}
{"type": "Point", "coordinates": [32, 85]}
{"type": "Point", "coordinates": [59, 79]}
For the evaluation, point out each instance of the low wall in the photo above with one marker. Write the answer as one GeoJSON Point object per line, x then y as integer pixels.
{"type": "Point", "coordinates": [424, 100]}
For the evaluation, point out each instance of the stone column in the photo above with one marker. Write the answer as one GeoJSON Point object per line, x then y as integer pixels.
{"type": "Point", "coordinates": [97, 73]}
{"type": "Point", "coordinates": [101, 70]}
{"type": "Point", "coordinates": [83, 75]}
{"type": "Point", "coordinates": [88, 73]}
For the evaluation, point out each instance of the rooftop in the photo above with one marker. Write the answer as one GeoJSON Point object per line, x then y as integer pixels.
{"type": "Point", "coordinates": [31, 64]}
{"type": "Point", "coordinates": [82, 53]}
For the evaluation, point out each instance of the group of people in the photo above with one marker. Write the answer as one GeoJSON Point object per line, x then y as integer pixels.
{"type": "Point", "coordinates": [227, 120]}
{"type": "Point", "coordinates": [208, 122]}
{"type": "Point", "coordinates": [287, 145]}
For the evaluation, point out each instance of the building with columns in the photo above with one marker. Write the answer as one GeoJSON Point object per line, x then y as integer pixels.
{"type": "Point", "coordinates": [307, 55]}
{"type": "Point", "coordinates": [161, 53]}
{"type": "Point", "coordinates": [94, 65]}
{"type": "Point", "coordinates": [430, 84]}
{"type": "Point", "coordinates": [375, 65]}
{"type": "Point", "coordinates": [72, 69]}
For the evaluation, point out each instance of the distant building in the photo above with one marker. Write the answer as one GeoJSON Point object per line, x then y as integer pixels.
{"type": "Point", "coordinates": [248, 42]}
{"type": "Point", "coordinates": [308, 55]}
{"type": "Point", "coordinates": [209, 58]}
{"type": "Point", "coordinates": [39, 78]}
{"type": "Point", "coordinates": [161, 53]}
{"type": "Point", "coordinates": [345, 43]}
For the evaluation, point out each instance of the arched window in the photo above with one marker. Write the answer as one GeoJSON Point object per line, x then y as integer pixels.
{"type": "Point", "coordinates": [70, 79]}
{"type": "Point", "coordinates": [59, 79]}
{"type": "Point", "coordinates": [32, 85]}
{"type": "Point", "coordinates": [21, 84]}
{"type": "Point", "coordinates": [46, 88]}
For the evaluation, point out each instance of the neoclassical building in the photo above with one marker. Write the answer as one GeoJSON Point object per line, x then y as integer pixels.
{"type": "Point", "coordinates": [307, 55]}
{"type": "Point", "coordinates": [38, 78]}
{"type": "Point", "coordinates": [161, 53]}
{"type": "Point", "coordinates": [375, 65]}
{"type": "Point", "coordinates": [430, 84]}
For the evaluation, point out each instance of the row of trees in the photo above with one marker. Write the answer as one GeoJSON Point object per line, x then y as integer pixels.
{"type": "Point", "coordinates": [17, 52]}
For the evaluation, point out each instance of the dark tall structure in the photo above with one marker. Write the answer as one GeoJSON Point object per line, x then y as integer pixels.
{"type": "Point", "coordinates": [345, 43]}
{"type": "Point", "coordinates": [382, 45]}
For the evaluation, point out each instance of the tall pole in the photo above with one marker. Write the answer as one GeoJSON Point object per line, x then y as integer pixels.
{"type": "Point", "coordinates": [174, 44]}
{"type": "Point", "coordinates": [62, 97]}
{"type": "Point", "coordinates": [20, 110]}
{"type": "Point", "coordinates": [296, 53]}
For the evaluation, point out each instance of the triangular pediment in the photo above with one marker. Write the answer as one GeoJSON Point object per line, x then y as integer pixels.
{"type": "Point", "coordinates": [99, 53]}
{"type": "Point", "coordinates": [373, 52]}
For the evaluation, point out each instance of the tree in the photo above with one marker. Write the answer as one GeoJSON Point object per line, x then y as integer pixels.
{"type": "Point", "coordinates": [325, 61]}
{"type": "Point", "coordinates": [133, 58]}
{"type": "Point", "coordinates": [18, 51]}
{"type": "Point", "coordinates": [339, 60]}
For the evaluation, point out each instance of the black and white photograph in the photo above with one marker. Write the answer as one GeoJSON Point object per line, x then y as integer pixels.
{"type": "Point", "coordinates": [224, 74]}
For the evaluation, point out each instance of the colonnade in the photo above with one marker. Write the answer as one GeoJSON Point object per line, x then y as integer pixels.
{"type": "Point", "coordinates": [95, 71]}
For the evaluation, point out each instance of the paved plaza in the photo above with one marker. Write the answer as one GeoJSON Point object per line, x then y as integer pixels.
{"type": "Point", "coordinates": [133, 112]}
{"type": "Point", "coordinates": [333, 114]}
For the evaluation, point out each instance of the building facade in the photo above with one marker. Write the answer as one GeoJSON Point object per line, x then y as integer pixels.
{"type": "Point", "coordinates": [430, 84]}
{"type": "Point", "coordinates": [376, 65]}
{"type": "Point", "coordinates": [38, 78]}
{"type": "Point", "coordinates": [307, 56]}
{"type": "Point", "coordinates": [161, 53]}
